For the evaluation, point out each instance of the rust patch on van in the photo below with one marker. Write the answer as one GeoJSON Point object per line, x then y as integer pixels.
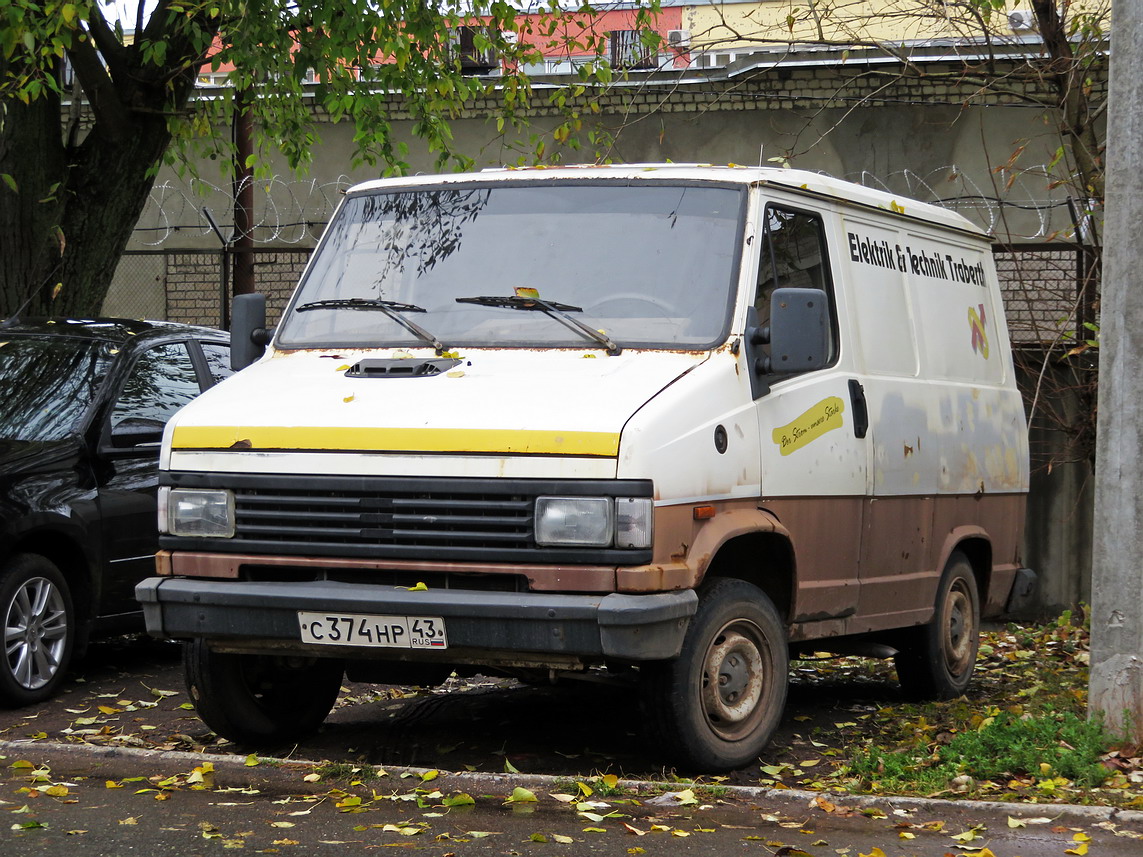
{"type": "Point", "coordinates": [823, 617]}
{"type": "Point", "coordinates": [541, 578]}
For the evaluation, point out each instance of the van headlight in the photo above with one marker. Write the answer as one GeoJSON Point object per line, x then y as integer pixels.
{"type": "Point", "coordinates": [622, 522]}
{"type": "Point", "coordinates": [195, 512]}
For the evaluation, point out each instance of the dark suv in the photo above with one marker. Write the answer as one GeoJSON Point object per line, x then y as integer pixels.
{"type": "Point", "coordinates": [83, 403]}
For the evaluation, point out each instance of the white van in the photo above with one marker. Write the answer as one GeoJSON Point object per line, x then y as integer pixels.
{"type": "Point", "coordinates": [675, 421]}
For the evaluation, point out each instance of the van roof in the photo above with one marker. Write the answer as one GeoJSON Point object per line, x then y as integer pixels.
{"type": "Point", "coordinates": [801, 181]}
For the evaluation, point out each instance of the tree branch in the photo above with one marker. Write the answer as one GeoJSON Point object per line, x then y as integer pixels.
{"type": "Point", "coordinates": [100, 89]}
{"type": "Point", "coordinates": [103, 34]}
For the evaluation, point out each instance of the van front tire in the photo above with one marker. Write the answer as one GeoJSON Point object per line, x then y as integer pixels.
{"type": "Point", "coordinates": [260, 699]}
{"type": "Point", "coordinates": [716, 706]}
{"type": "Point", "coordinates": [936, 661]}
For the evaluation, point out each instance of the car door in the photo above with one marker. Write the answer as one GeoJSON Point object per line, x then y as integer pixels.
{"type": "Point", "coordinates": [814, 457]}
{"type": "Point", "coordinates": [161, 379]}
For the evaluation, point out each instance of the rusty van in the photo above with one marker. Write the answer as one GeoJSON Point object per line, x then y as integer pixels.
{"type": "Point", "coordinates": [674, 422]}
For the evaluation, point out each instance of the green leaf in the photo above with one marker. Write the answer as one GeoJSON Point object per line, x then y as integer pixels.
{"type": "Point", "coordinates": [461, 799]}
{"type": "Point", "coordinates": [11, 182]}
{"type": "Point", "coordinates": [520, 795]}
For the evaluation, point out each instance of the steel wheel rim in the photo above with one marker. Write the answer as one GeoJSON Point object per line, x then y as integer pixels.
{"type": "Point", "coordinates": [959, 629]}
{"type": "Point", "coordinates": [35, 633]}
{"type": "Point", "coordinates": [734, 679]}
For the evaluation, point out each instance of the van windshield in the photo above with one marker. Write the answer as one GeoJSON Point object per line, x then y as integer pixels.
{"type": "Point", "coordinates": [645, 265]}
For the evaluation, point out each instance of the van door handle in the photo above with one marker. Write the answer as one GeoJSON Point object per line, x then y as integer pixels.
{"type": "Point", "coordinates": [860, 409]}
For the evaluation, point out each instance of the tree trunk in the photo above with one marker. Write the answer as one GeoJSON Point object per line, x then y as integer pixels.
{"type": "Point", "coordinates": [73, 199]}
{"type": "Point", "coordinates": [30, 207]}
{"type": "Point", "coordinates": [1077, 125]}
{"type": "Point", "coordinates": [101, 186]}
{"type": "Point", "coordinates": [110, 181]}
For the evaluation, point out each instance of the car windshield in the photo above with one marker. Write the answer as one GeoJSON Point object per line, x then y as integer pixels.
{"type": "Point", "coordinates": [644, 264]}
{"type": "Point", "coordinates": [47, 384]}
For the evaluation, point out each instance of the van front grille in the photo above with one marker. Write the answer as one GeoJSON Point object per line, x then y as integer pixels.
{"type": "Point", "coordinates": [382, 517]}
{"type": "Point", "coordinates": [398, 518]}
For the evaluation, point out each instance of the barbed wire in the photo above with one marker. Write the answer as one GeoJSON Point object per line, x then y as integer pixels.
{"type": "Point", "coordinates": [961, 193]}
{"type": "Point", "coordinates": [293, 211]}
{"type": "Point", "coordinates": [286, 210]}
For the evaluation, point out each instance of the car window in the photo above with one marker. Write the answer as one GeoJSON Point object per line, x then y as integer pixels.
{"type": "Point", "coordinates": [47, 383]}
{"type": "Point", "coordinates": [217, 360]}
{"type": "Point", "coordinates": [162, 381]}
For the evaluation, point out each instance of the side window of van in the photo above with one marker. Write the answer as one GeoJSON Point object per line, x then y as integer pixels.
{"type": "Point", "coordinates": [793, 256]}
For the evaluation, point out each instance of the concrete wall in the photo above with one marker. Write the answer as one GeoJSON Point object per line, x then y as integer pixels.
{"type": "Point", "coordinates": [1058, 530]}
{"type": "Point", "coordinates": [924, 138]}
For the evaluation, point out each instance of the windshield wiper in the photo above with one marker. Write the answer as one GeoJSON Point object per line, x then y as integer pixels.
{"type": "Point", "coordinates": [393, 309]}
{"type": "Point", "coordinates": [556, 310]}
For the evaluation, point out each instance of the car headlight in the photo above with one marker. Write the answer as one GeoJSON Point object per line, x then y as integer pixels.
{"type": "Point", "coordinates": [624, 522]}
{"type": "Point", "coordinates": [199, 513]}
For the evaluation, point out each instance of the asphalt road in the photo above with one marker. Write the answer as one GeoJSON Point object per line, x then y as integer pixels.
{"type": "Point", "coordinates": [116, 802]}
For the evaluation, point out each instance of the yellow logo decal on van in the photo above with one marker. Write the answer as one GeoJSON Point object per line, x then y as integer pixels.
{"type": "Point", "coordinates": [822, 417]}
{"type": "Point", "coordinates": [979, 334]}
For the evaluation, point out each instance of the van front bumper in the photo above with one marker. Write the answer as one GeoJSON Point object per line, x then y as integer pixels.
{"type": "Point", "coordinates": [264, 616]}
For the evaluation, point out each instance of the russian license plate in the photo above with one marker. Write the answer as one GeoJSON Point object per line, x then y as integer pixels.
{"type": "Point", "coordinates": [373, 630]}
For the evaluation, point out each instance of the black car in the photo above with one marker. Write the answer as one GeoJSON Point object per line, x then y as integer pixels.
{"type": "Point", "coordinates": [83, 403]}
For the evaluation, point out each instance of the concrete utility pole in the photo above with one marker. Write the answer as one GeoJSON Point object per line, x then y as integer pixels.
{"type": "Point", "coordinates": [1117, 561]}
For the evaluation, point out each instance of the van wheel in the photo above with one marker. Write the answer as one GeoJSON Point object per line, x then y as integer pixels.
{"type": "Point", "coordinates": [936, 661]}
{"type": "Point", "coordinates": [716, 706]}
{"type": "Point", "coordinates": [38, 624]}
{"type": "Point", "coordinates": [260, 699]}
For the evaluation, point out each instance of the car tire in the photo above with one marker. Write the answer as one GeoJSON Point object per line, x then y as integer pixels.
{"type": "Point", "coordinates": [936, 661]}
{"type": "Point", "coordinates": [260, 699]}
{"type": "Point", "coordinates": [716, 706]}
{"type": "Point", "coordinates": [38, 624]}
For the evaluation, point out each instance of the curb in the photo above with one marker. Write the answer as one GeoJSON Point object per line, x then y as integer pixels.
{"type": "Point", "coordinates": [791, 799]}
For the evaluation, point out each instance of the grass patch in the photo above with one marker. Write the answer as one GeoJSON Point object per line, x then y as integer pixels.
{"type": "Point", "coordinates": [1045, 753]}
{"type": "Point", "coordinates": [1020, 732]}
{"type": "Point", "coordinates": [346, 771]}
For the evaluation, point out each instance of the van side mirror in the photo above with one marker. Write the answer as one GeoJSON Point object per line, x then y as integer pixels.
{"type": "Point", "coordinates": [248, 333]}
{"type": "Point", "coordinates": [799, 331]}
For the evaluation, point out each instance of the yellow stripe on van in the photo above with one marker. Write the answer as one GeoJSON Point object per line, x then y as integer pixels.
{"type": "Point", "coordinates": [345, 438]}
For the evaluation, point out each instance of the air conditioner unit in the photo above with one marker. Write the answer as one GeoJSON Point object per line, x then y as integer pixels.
{"type": "Point", "coordinates": [1022, 20]}
{"type": "Point", "coordinates": [679, 38]}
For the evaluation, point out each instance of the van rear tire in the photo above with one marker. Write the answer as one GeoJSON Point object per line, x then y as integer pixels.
{"type": "Point", "coordinates": [936, 661]}
{"type": "Point", "coordinates": [716, 706]}
{"type": "Point", "coordinates": [260, 699]}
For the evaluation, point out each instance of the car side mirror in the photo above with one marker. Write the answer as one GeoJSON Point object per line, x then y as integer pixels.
{"type": "Point", "coordinates": [249, 335]}
{"type": "Point", "coordinates": [799, 331]}
{"type": "Point", "coordinates": [135, 432]}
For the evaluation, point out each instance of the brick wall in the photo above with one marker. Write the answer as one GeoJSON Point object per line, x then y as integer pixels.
{"type": "Point", "coordinates": [193, 287]}
{"type": "Point", "coordinates": [192, 283]}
